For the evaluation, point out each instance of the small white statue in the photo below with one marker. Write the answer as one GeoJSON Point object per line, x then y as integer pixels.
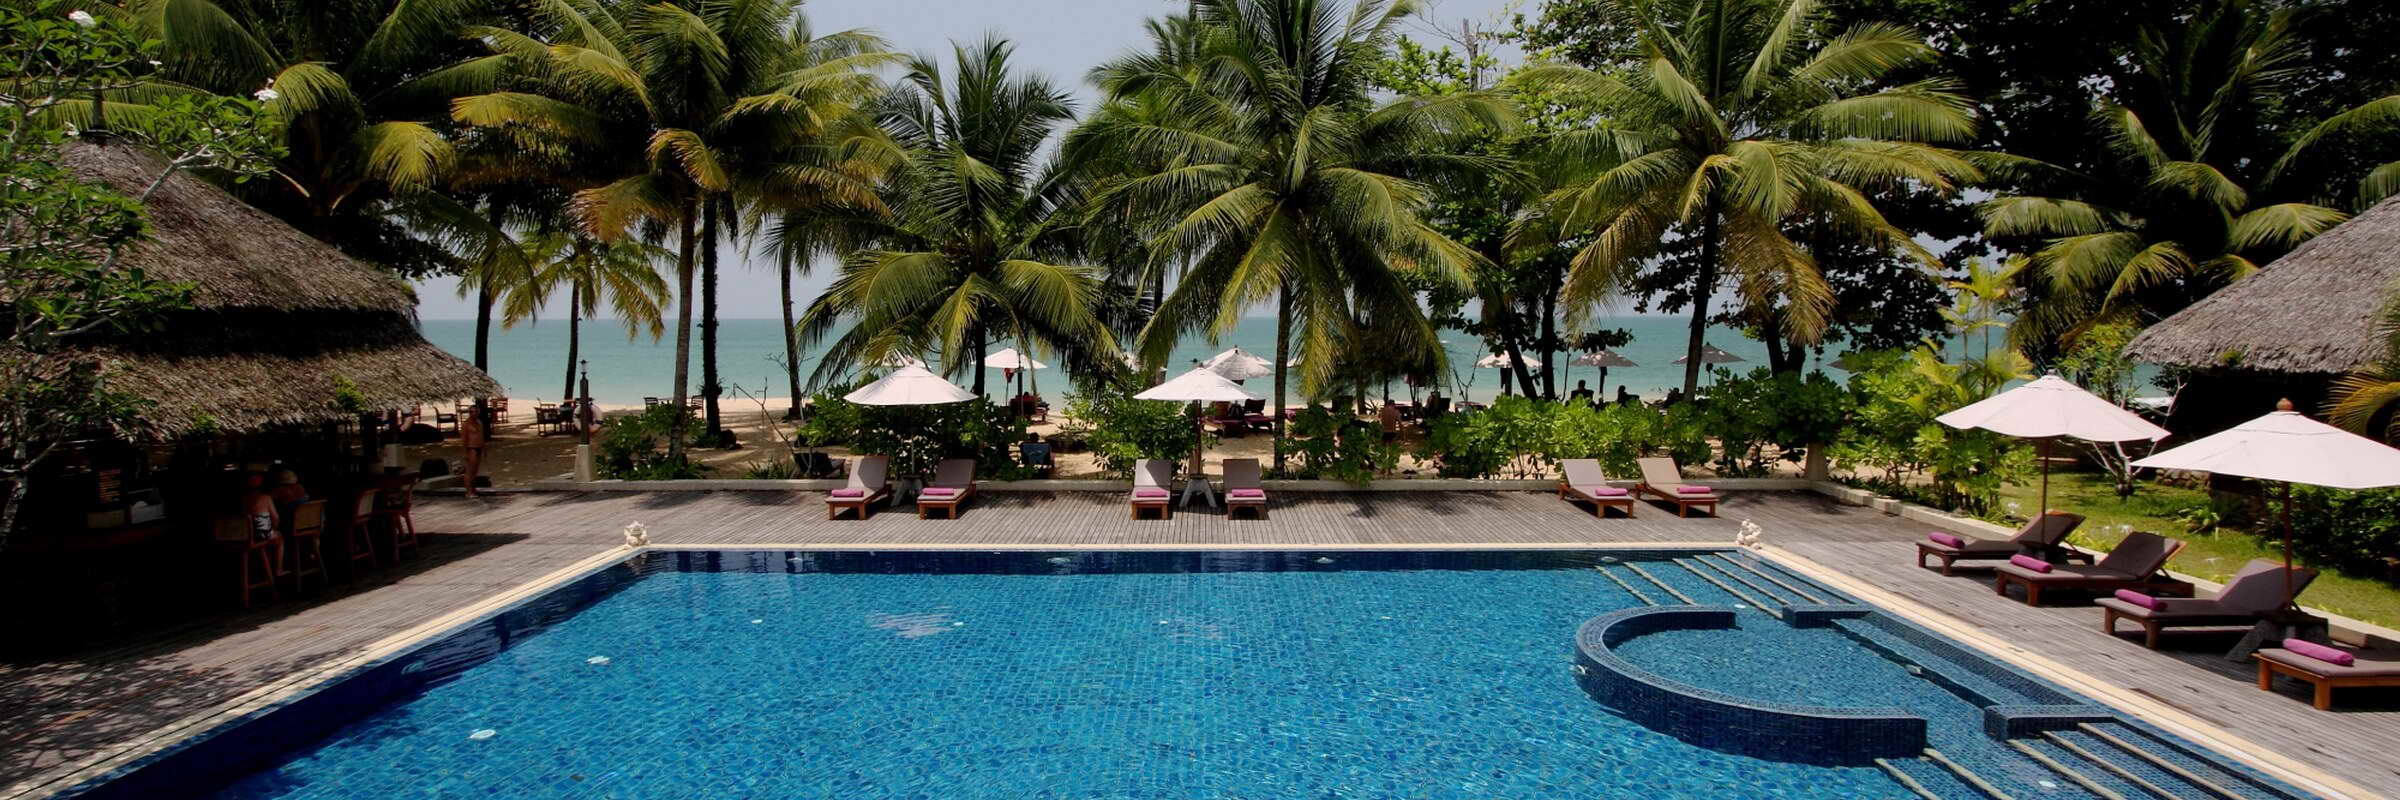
{"type": "Point", "coordinates": [1749, 535]}
{"type": "Point", "coordinates": [637, 535]}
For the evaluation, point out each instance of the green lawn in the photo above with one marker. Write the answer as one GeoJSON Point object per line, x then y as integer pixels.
{"type": "Point", "coordinates": [2213, 556]}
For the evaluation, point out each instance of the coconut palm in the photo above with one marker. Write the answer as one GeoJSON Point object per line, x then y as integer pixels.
{"type": "Point", "coordinates": [973, 249]}
{"type": "Point", "coordinates": [588, 273]}
{"type": "Point", "coordinates": [2369, 399]}
{"type": "Point", "coordinates": [1727, 121]}
{"type": "Point", "coordinates": [1262, 161]}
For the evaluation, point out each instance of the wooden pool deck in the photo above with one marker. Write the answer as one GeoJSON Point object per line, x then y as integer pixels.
{"type": "Point", "coordinates": [59, 712]}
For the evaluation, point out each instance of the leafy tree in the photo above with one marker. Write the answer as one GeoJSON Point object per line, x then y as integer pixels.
{"type": "Point", "coordinates": [60, 235]}
{"type": "Point", "coordinates": [1729, 121]}
{"type": "Point", "coordinates": [590, 272]}
{"type": "Point", "coordinates": [2368, 401]}
{"type": "Point", "coordinates": [1122, 430]}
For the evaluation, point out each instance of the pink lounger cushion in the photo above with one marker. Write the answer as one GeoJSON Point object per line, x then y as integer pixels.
{"type": "Point", "coordinates": [1946, 539]}
{"type": "Point", "coordinates": [1150, 493]}
{"type": "Point", "coordinates": [849, 492]}
{"type": "Point", "coordinates": [1602, 491]}
{"type": "Point", "coordinates": [1694, 490]}
{"type": "Point", "coordinates": [1251, 494]}
{"type": "Point", "coordinates": [2137, 598]}
{"type": "Point", "coordinates": [940, 491]}
{"type": "Point", "coordinates": [2029, 562]}
{"type": "Point", "coordinates": [2329, 655]}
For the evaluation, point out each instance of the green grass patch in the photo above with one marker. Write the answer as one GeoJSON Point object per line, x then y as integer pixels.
{"type": "Point", "coordinates": [2213, 555]}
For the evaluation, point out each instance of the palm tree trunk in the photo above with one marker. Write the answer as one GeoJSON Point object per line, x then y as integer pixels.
{"type": "Point", "coordinates": [709, 389]}
{"type": "Point", "coordinates": [980, 346]}
{"type": "Point", "coordinates": [574, 336]}
{"type": "Point", "coordinates": [683, 331]}
{"type": "Point", "coordinates": [1702, 286]}
{"type": "Point", "coordinates": [483, 321]}
{"type": "Point", "coordinates": [1283, 356]}
{"type": "Point", "coordinates": [1548, 303]}
{"type": "Point", "coordinates": [791, 339]}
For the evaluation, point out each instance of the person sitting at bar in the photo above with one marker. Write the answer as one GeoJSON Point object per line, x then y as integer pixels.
{"type": "Point", "coordinates": [288, 492]}
{"type": "Point", "coordinates": [258, 506]}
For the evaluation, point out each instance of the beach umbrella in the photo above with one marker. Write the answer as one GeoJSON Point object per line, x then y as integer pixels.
{"type": "Point", "coordinates": [897, 360]}
{"type": "Point", "coordinates": [1602, 359]}
{"type": "Point", "coordinates": [909, 386]}
{"type": "Point", "coordinates": [1500, 361]}
{"type": "Point", "coordinates": [2287, 447]}
{"type": "Point", "coordinates": [1011, 363]}
{"type": "Point", "coordinates": [1709, 354]}
{"type": "Point", "coordinates": [2049, 408]}
{"type": "Point", "coordinates": [1239, 365]}
{"type": "Point", "coordinates": [1201, 385]}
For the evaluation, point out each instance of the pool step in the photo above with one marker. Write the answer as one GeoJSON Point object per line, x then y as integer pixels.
{"type": "Point", "coordinates": [2124, 750]}
{"type": "Point", "coordinates": [2070, 758]}
{"type": "Point", "coordinates": [1760, 596]}
{"type": "Point", "coordinates": [1929, 779]}
{"type": "Point", "coordinates": [1906, 780]}
{"type": "Point", "coordinates": [1940, 668]}
{"type": "Point", "coordinates": [1707, 576]}
{"type": "Point", "coordinates": [1605, 572]}
{"type": "Point", "coordinates": [2069, 772]}
{"type": "Point", "coordinates": [1749, 567]}
{"type": "Point", "coordinates": [1967, 776]}
{"type": "Point", "coordinates": [1670, 588]}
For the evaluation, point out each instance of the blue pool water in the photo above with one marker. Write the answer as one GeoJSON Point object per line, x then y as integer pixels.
{"type": "Point", "coordinates": [1088, 675]}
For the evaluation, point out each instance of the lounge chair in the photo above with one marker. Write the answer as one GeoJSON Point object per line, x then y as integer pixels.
{"type": "Point", "coordinates": [953, 483]}
{"type": "Point", "coordinates": [866, 487]}
{"type": "Point", "coordinates": [2039, 538]}
{"type": "Point", "coordinates": [1662, 478]}
{"type": "Point", "coordinates": [2133, 565]}
{"type": "Point", "coordinates": [2256, 589]}
{"type": "Point", "coordinates": [1582, 481]}
{"type": "Point", "coordinates": [1151, 477]}
{"type": "Point", "coordinates": [1254, 415]}
{"type": "Point", "coordinates": [2367, 667]}
{"type": "Point", "coordinates": [1243, 490]}
{"type": "Point", "coordinates": [1036, 456]}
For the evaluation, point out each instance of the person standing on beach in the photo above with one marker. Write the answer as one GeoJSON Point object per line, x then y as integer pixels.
{"type": "Point", "coordinates": [471, 437]}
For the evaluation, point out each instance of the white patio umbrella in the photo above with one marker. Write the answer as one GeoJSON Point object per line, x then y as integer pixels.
{"type": "Point", "coordinates": [1239, 365]}
{"type": "Point", "coordinates": [1201, 385]}
{"type": "Point", "coordinates": [1602, 359]}
{"type": "Point", "coordinates": [2049, 408]}
{"type": "Point", "coordinates": [1010, 362]}
{"type": "Point", "coordinates": [909, 386]}
{"type": "Point", "coordinates": [1500, 361]}
{"type": "Point", "coordinates": [2287, 447]}
{"type": "Point", "coordinates": [897, 360]}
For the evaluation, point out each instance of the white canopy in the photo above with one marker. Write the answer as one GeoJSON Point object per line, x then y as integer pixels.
{"type": "Point", "coordinates": [1603, 358]}
{"type": "Point", "coordinates": [1239, 365]}
{"type": "Point", "coordinates": [909, 386]}
{"type": "Point", "coordinates": [1709, 354]}
{"type": "Point", "coordinates": [898, 360]}
{"type": "Point", "coordinates": [2050, 406]}
{"type": "Point", "coordinates": [1202, 384]}
{"type": "Point", "coordinates": [1011, 359]}
{"type": "Point", "coordinates": [1500, 360]}
{"type": "Point", "coordinates": [2285, 446]}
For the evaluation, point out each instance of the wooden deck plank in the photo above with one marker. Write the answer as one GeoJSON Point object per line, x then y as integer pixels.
{"type": "Point", "coordinates": [54, 712]}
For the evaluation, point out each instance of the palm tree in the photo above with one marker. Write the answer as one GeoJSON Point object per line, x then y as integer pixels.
{"type": "Point", "coordinates": [1727, 121]}
{"type": "Point", "coordinates": [2370, 398]}
{"type": "Point", "coordinates": [589, 272]}
{"type": "Point", "coordinates": [971, 253]}
{"type": "Point", "coordinates": [1261, 160]}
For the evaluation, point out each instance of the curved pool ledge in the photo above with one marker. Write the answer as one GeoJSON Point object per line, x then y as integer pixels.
{"type": "Point", "coordinates": [1724, 722]}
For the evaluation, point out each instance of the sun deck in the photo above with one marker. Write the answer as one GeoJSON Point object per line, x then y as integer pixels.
{"type": "Point", "coordinates": [57, 713]}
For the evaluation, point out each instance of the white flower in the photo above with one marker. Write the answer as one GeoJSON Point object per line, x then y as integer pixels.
{"type": "Point", "coordinates": [156, 63]}
{"type": "Point", "coordinates": [82, 17]}
{"type": "Point", "coordinates": [267, 95]}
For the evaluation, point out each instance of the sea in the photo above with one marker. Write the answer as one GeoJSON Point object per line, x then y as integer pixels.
{"type": "Point", "coordinates": [531, 359]}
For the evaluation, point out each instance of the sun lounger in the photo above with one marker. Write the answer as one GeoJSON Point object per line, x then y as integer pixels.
{"type": "Point", "coordinates": [1582, 481]}
{"type": "Point", "coordinates": [866, 487]}
{"type": "Point", "coordinates": [1243, 488]}
{"type": "Point", "coordinates": [1663, 479]}
{"type": "Point", "coordinates": [2368, 667]}
{"type": "Point", "coordinates": [2256, 589]}
{"type": "Point", "coordinates": [2039, 538]}
{"type": "Point", "coordinates": [1151, 479]}
{"type": "Point", "coordinates": [2133, 565]}
{"type": "Point", "coordinates": [953, 483]}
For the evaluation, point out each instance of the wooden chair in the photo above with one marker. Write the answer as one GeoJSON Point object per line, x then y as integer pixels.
{"type": "Point", "coordinates": [649, 403]}
{"type": "Point", "coordinates": [953, 484]}
{"type": "Point", "coordinates": [392, 507]}
{"type": "Point", "coordinates": [361, 539]}
{"type": "Point", "coordinates": [235, 531]}
{"type": "Point", "coordinates": [304, 544]}
{"type": "Point", "coordinates": [440, 419]}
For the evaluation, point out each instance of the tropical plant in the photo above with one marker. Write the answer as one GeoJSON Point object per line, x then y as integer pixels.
{"type": "Point", "coordinates": [1891, 428]}
{"type": "Point", "coordinates": [2368, 401]}
{"type": "Point", "coordinates": [641, 447]}
{"type": "Point", "coordinates": [1260, 159]}
{"type": "Point", "coordinates": [974, 250]}
{"type": "Point", "coordinates": [1525, 438]}
{"type": "Point", "coordinates": [1728, 120]}
{"type": "Point", "coordinates": [1122, 430]}
{"type": "Point", "coordinates": [1785, 410]}
{"type": "Point", "coordinates": [1337, 447]}
{"type": "Point", "coordinates": [589, 272]}
{"type": "Point", "coordinates": [917, 438]}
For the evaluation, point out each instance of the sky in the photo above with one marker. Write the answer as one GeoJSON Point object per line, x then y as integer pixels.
{"type": "Point", "coordinates": [1059, 38]}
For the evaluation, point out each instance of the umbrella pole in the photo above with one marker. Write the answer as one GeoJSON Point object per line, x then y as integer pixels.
{"type": "Point", "coordinates": [2044, 508]}
{"type": "Point", "coordinates": [2287, 544]}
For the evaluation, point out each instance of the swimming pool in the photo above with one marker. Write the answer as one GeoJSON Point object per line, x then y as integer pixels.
{"type": "Point", "coordinates": [1147, 674]}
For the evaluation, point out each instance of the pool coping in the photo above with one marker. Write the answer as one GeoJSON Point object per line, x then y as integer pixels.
{"type": "Point", "coordinates": [131, 752]}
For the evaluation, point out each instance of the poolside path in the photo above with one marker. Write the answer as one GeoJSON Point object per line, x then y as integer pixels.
{"type": "Point", "coordinates": [54, 713]}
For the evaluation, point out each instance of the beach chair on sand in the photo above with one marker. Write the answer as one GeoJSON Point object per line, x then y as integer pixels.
{"type": "Point", "coordinates": [866, 487]}
{"type": "Point", "coordinates": [1243, 489]}
{"type": "Point", "coordinates": [1663, 479]}
{"type": "Point", "coordinates": [953, 483]}
{"type": "Point", "coordinates": [2256, 589]}
{"type": "Point", "coordinates": [1582, 481]}
{"type": "Point", "coordinates": [2039, 538]}
{"type": "Point", "coordinates": [2135, 565]}
{"type": "Point", "coordinates": [2327, 667]}
{"type": "Point", "coordinates": [1151, 477]}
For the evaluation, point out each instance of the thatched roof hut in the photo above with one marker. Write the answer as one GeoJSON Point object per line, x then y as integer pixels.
{"type": "Point", "coordinates": [281, 324]}
{"type": "Point", "coordinates": [2314, 311]}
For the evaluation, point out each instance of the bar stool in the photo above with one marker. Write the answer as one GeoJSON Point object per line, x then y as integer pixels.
{"type": "Point", "coordinates": [236, 531]}
{"type": "Point", "coordinates": [392, 507]}
{"type": "Point", "coordinates": [361, 538]}
{"type": "Point", "coordinates": [304, 544]}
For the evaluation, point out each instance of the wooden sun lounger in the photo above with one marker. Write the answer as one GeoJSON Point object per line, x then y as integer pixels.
{"type": "Point", "coordinates": [1582, 481]}
{"type": "Point", "coordinates": [953, 483]}
{"type": "Point", "coordinates": [1662, 478]}
{"type": "Point", "coordinates": [1243, 488]}
{"type": "Point", "coordinates": [2374, 668]}
{"type": "Point", "coordinates": [2135, 564]}
{"type": "Point", "coordinates": [866, 487]}
{"type": "Point", "coordinates": [2039, 538]}
{"type": "Point", "coordinates": [1151, 479]}
{"type": "Point", "coordinates": [2256, 589]}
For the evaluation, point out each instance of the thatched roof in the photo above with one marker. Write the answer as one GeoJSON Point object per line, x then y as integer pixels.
{"type": "Point", "coordinates": [2313, 311]}
{"type": "Point", "coordinates": [282, 322]}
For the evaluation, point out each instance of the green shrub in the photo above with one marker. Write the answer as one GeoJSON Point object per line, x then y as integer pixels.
{"type": "Point", "coordinates": [1893, 437]}
{"type": "Point", "coordinates": [634, 447]}
{"type": "Point", "coordinates": [1121, 430]}
{"type": "Point", "coordinates": [918, 437]}
{"type": "Point", "coordinates": [1788, 411]}
{"type": "Point", "coordinates": [1523, 438]}
{"type": "Point", "coordinates": [830, 420]}
{"type": "Point", "coordinates": [2356, 532]}
{"type": "Point", "coordinates": [772, 470]}
{"type": "Point", "coordinates": [1321, 444]}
